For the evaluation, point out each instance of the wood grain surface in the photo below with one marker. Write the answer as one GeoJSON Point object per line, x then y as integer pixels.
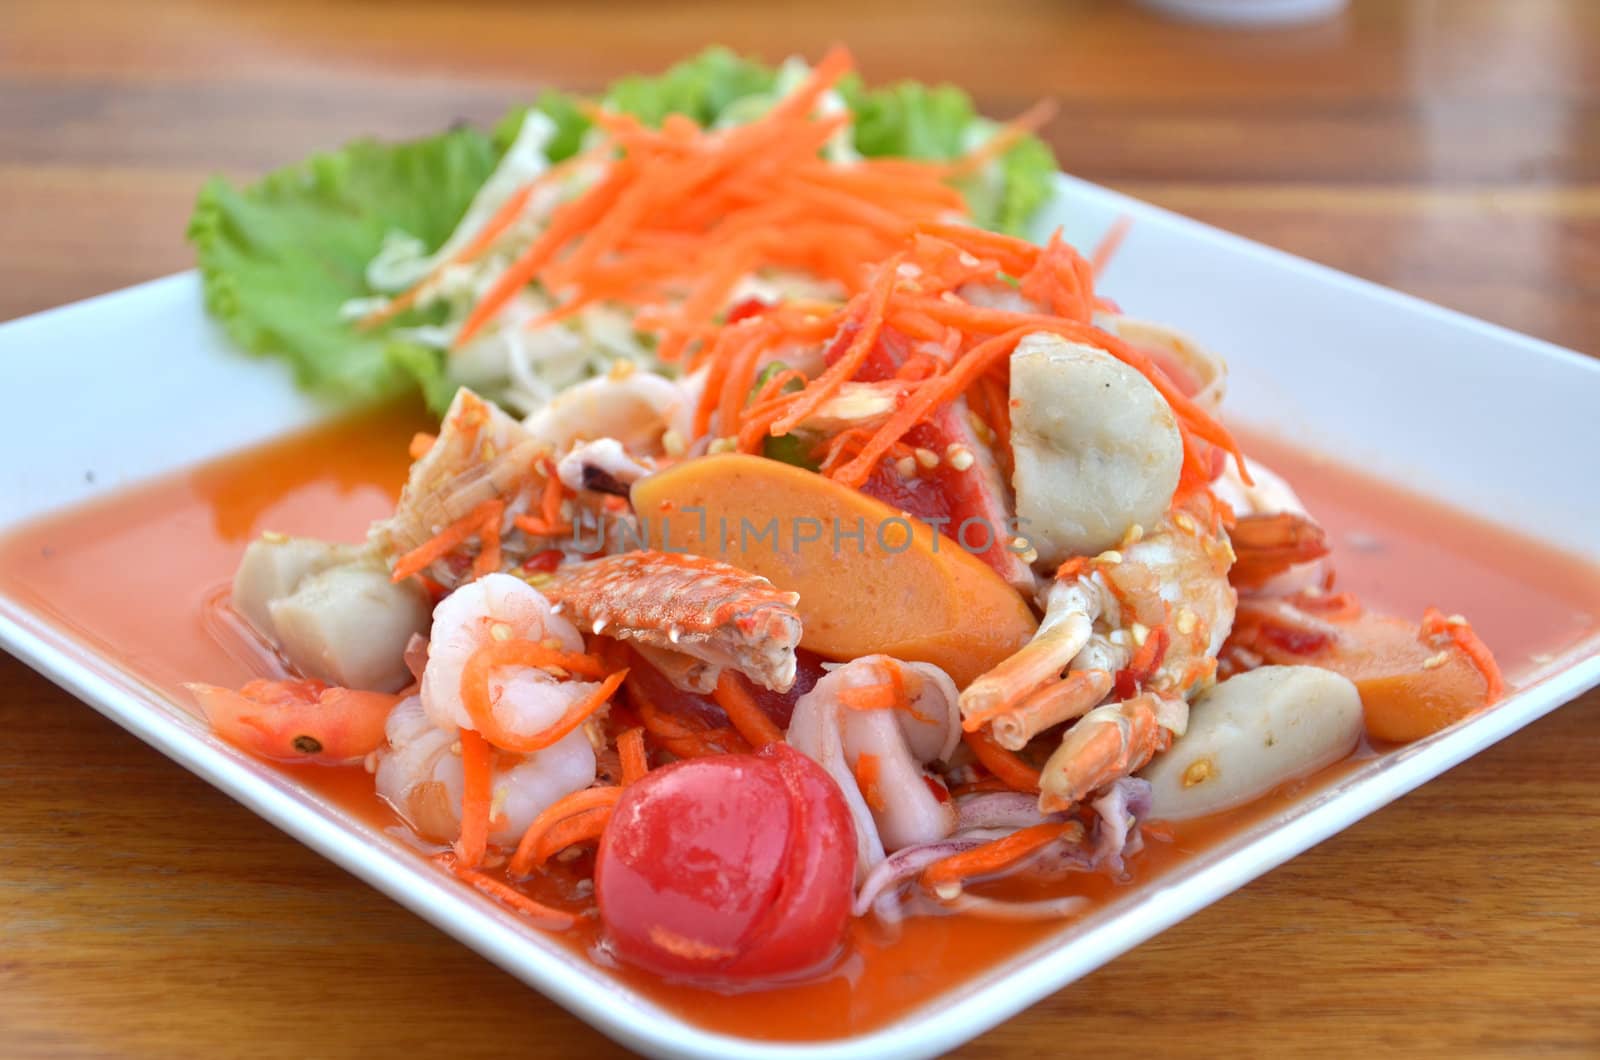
{"type": "Point", "coordinates": [1448, 148]}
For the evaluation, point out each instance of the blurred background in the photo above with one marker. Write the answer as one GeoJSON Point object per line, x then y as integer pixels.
{"type": "Point", "coordinates": [1450, 148]}
{"type": "Point", "coordinates": [1446, 147]}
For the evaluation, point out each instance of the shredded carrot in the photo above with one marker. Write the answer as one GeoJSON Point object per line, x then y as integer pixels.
{"type": "Point", "coordinates": [548, 916]}
{"type": "Point", "coordinates": [582, 827]}
{"type": "Point", "coordinates": [983, 784]}
{"type": "Point", "coordinates": [548, 523]}
{"type": "Point", "coordinates": [483, 522]}
{"type": "Point", "coordinates": [487, 561]}
{"type": "Point", "coordinates": [679, 216]}
{"type": "Point", "coordinates": [1004, 138]}
{"type": "Point", "coordinates": [477, 769]}
{"type": "Point", "coordinates": [929, 395]}
{"type": "Point", "coordinates": [527, 853]}
{"type": "Point", "coordinates": [1460, 632]}
{"type": "Point", "coordinates": [1006, 765]}
{"type": "Point", "coordinates": [635, 760]}
{"type": "Point", "coordinates": [1106, 249]}
{"type": "Point", "coordinates": [996, 855]}
{"type": "Point", "coordinates": [677, 735]}
{"type": "Point", "coordinates": [475, 696]}
{"type": "Point", "coordinates": [869, 770]}
{"type": "Point", "coordinates": [421, 442]}
{"type": "Point", "coordinates": [744, 712]}
{"type": "Point", "coordinates": [868, 697]}
{"type": "Point", "coordinates": [866, 337]}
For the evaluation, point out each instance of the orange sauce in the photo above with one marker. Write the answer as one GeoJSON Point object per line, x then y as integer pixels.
{"type": "Point", "coordinates": [129, 576]}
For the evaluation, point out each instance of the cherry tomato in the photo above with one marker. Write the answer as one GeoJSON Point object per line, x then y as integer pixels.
{"type": "Point", "coordinates": [729, 866]}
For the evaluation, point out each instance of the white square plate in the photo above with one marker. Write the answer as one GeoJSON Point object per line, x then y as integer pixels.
{"type": "Point", "coordinates": [1337, 364]}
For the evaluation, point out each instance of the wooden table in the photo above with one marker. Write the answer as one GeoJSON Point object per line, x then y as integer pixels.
{"type": "Point", "coordinates": [1451, 149]}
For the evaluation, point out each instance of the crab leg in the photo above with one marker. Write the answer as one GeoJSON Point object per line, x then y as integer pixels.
{"type": "Point", "coordinates": [1060, 701]}
{"type": "Point", "coordinates": [1110, 742]}
{"type": "Point", "coordinates": [1068, 621]}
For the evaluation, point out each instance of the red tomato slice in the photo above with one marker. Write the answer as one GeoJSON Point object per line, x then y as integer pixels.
{"type": "Point", "coordinates": [728, 866]}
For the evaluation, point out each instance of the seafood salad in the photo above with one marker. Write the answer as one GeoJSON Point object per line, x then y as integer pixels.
{"type": "Point", "coordinates": [877, 566]}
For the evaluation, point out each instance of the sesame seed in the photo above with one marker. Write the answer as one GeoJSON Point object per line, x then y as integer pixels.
{"type": "Point", "coordinates": [949, 892]}
{"type": "Point", "coordinates": [1135, 534]}
{"type": "Point", "coordinates": [455, 748]}
{"type": "Point", "coordinates": [927, 458]}
{"type": "Point", "coordinates": [1456, 620]}
{"type": "Point", "coordinates": [960, 457]}
{"type": "Point", "coordinates": [500, 631]}
{"type": "Point", "coordinates": [497, 803]}
{"type": "Point", "coordinates": [1199, 771]}
{"type": "Point", "coordinates": [1024, 549]}
{"type": "Point", "coordinates": [908, 269]}
{"type": "Point", "coordinates": [984, 432]}
{"type": "Point", "coordinates": [1435, 661]}
{"type": "Point", "coordinates": [552, 643]}
{"type": "Point", "coordinates": [1119, 637]}
{"type": "Point", "coordinates": [1187, 621]}
{"type": "Point", "coordinates": [1140, 632]}
{"type": "Point", "coordinates": [1185, 522]}
{"type": "Point", "coordinates": [489, 451]}
{"type": "Point", "coordinates": [722, 445]}
{"type": "Point", "coordinates": [951, 297]}
{"type": "Point", "coordinates": [672, 443]}
{"type": "Point", "coordinates": [906, 466]}
{"type": "Point", "coordinates": [273, 537]}
{"type": "Point", "coordinates": [599, 625]}
{"type": "Point", "coordinates": [621, 369]}
{"type": "Point", "coordinates": [967, 259]}
{"type": "Point", "coordinates": [1110, 555]}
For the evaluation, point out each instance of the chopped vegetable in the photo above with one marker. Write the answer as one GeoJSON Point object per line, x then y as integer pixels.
{"type": "Point", "coordinates": [897, 588]}
{"type": "Point", "coordinates": [297, 721]}
{"type": "Point", "coordinates": [729, 867]}
{"type": "Point", "coordinates": [281, 259]}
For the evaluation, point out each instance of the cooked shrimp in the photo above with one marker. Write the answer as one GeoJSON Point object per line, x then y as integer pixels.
{"type": "Point", "coordinates": [1149, 617]}
{"type": "Point", "coordinates": [875, 746]}
{"type": "Point", "coordinates": [420, 774]}
{"type": "Point", "coordinates": [498, 607]}
{"type": "Point", "coordinates": [711, 612]}
{"type": "Point", "coordinates": [1096, 449]}
{"type": "Point", "coordinates": [1280, 547]}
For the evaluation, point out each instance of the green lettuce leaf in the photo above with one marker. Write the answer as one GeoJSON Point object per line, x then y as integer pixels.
{"type": "Point", "coordinates": [279, 259]}
{"type": "Point", "coordinates": [912, 120]}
